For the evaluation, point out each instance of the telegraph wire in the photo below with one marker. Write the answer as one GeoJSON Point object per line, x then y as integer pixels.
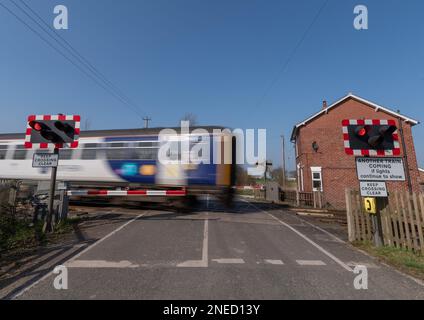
{"type": "Point", "coordinates": [106, 88]}
{"type": "Point", "coordinates": [73, 51]}
{"type": "Point", "coordinates": [293, 53]}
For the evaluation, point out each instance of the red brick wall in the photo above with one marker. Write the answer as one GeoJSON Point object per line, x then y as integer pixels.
{"type": "Point", "coordinates": [338, 168]}
{"type": "Point", "coordinates": [422, 179]}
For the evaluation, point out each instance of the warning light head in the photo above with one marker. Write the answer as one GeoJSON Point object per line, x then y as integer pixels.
{"type": "Point", "coordinates": [370, 137]}
{"type": "Point", "coordinates": [45, 130]}
{"type": "Point", "coordinates": [51, 136]}
{"type": "Point", "coordinates": [64, 127]}
{"type": "Point", "coordinates": [37, 126]}
{"type": "Point", "coordinates": [387, 130]}
{"type": "Point", "coordinates": [361, 131]}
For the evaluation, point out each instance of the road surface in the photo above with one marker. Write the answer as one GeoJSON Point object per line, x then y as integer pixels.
{"type": "Point", "coordinates": [253, 251]}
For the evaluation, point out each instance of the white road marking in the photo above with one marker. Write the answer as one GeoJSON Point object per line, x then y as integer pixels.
{"type": "Point", "coordinates": [77, 256]}
{"type": "Point", "coordinates": [369, 265]}
{"type": "Point", "coordinates": [276, 262]}
{"type": "Point", "coordinates": [192, 264]}
{"type": "Point", "coordinates": [101, 264]}
{"type": "Point", "coordinates": [310, 262]}
{"type": "Point", "coordinates": [204, 262]}
{"type": "Point", "coordinates": [328, 254]}
{"type": "Point", "coordinates": [418, 281]}
{"type": "Point", "coordinates": [105, 238]}
{"type": "Point", "coordinates": [337, 239]}
{"type": "Point", "coordinates": [229, 261]}
{"type": "Point", "coordinates": [205, 242]}
{"type": "Point", "coordinates": [305, 214]}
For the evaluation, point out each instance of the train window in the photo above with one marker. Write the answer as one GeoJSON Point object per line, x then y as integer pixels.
{"type": "Point", "coordinates": [89, 151]}
{"type": "Point", "coordinates": [117, 153]}
{"type": "Point", "coordinates": [144, 153]}
{"type": "Point", "coordinates": [3, 151]}
{"type": "Point", "coordinates": [20, 153]}
{"type": "Point", "coordinates": [88, 154]}
{"type": "Point", "coordinates": [173, 153]}
{"type": "Point", "coordinates": [148, 144]}
{"type": "Point", "coordinates": [65, 154]}
{"type": "Point", "coordinates": [90, 145]}
{"type": "Point", "coordinates": [117, 145]}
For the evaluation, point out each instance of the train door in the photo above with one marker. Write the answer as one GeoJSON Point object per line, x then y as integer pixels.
{"type": "Point", "coordinates": [170, 169]}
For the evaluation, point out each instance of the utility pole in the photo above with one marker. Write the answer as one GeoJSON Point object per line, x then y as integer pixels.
{"type": "Point", "coordinates": [267, 164]}
{"type": "Point", "coordinates": [146, 122]}
{"type": "Point", "coordinates": [405, 156]}
{"type": "Point", "coordinates": [283, 161]}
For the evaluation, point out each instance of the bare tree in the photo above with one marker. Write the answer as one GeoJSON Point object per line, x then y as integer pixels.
{"type": "Point", "coordinates": [191, 118]}
{"type": "Point", "coordinates": [277, 175]}
{"type": "Point", "coordinates": [243, 178]}
{"type": "Point", "coordinates": [87, 124]}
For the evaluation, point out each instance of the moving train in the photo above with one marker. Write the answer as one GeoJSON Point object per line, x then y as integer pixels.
{"type": "Point", "coordinates": [128, 158]}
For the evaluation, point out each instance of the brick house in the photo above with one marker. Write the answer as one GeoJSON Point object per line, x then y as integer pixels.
{"type": "Point", "coordinates": [421, 178]}
{"type": "Point", "coordinates": [321, 161]}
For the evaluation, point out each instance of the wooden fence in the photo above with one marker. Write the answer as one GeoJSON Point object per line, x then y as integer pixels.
{"type": "Point", "coordinates": [402, 220]}
{"type": "Point", "coordinates": [307, 199]}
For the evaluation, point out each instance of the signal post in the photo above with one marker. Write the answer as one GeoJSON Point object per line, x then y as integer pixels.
{"type": "Point", "coordinates": [43, 132]}
{"type": "Point", "coordinates": [375, 143]}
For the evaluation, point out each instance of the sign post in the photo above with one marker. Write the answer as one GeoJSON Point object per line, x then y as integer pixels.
{"type": "Point", "coordinates": [48, 223]}
{"type": "Point", "coordinates": [44, 131]}
{"type": "Point", "coordinates": [372, 175]}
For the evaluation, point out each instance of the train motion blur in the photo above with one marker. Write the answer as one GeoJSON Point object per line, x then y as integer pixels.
{"type": "Point", "coordinates": [128, 158]}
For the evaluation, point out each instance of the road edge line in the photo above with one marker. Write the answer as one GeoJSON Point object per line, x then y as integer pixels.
{"type": "Point", "coordinates": [316, 245]}
{"type": "Point", "coordinates": [374, 258]}
{"type": "Point", "coordinates": [76, 256]}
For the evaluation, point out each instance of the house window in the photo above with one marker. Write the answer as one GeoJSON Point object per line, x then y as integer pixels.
{"type": "Point", "coordinates": [316, 179]}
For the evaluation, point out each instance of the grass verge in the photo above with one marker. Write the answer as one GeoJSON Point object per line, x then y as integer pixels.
{"type": "Point", "coordinates": [406, 261]}
{"type": "Point", "coordinates": [15, 235]}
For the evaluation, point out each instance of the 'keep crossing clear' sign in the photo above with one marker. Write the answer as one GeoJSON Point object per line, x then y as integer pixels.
{"type": "Point", "coordinates": [376, 189]}
{"type": "Point", "coordinates": [45, 160]}
{"type": "Point", "coordinates": [380, 169]}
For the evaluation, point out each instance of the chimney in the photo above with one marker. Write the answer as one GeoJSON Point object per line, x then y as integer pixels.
{"type": "Point", "coordinates": [324, 104]}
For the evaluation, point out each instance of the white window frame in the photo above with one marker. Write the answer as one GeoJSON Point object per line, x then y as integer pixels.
{"type": "Point", "coordinates": [316, 170]}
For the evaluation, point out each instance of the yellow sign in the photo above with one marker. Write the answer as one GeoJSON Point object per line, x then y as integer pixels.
{"type": "Point", "coordinates": [370, 205]}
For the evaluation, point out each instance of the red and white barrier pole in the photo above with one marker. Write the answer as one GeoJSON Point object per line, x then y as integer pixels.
{"type": "Point", "coordinates": [126, 193]}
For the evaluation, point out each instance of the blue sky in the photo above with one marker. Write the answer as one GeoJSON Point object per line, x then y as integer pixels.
{"type": "Point", "coordinates": [216, 59]}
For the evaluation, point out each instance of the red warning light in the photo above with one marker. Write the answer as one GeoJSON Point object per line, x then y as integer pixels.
{"type": "Point", "coordinates": [36, 125]}
{"type": "Point", "coordinates": [362, 132]}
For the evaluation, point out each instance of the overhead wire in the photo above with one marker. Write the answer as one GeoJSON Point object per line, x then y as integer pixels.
{"type": "Point", "coordinates": [292, 53]}
{"type": "Point", "coordinates": [86, 68]}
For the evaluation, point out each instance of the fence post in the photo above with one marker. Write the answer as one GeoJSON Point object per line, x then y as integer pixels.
{"type": "Point", "coordinates": [298, 198]}
{"type": "Point", "coordinates": [63, 202]}
{"type": "Point", "coordinates": [349, 213]}
{"type": "Point", "coordinates": [320, 200]}
{"type": "Point", "coordinates": [377, 223]}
